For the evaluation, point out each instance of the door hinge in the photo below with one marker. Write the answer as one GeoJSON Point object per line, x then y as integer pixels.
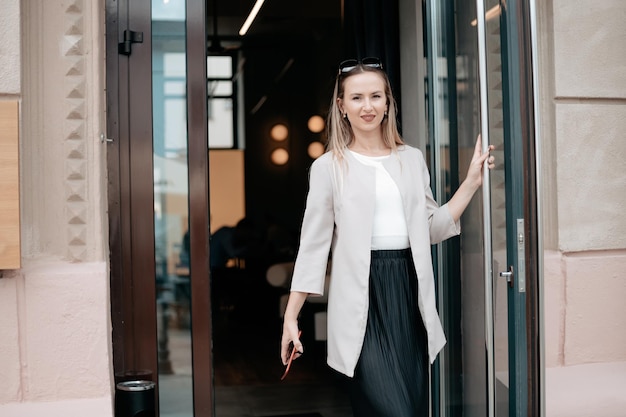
{"type": "Point", "coordinates": [130, 37]}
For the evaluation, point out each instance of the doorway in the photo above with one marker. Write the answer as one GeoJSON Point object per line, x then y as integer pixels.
{"type": "Point", "coordinates": [208, 334]}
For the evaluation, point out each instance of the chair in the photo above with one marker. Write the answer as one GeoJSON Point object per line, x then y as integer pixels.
{"type": "Point", "coordinates": [279, 276]}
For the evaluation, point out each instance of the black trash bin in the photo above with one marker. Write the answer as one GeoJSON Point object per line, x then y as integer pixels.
{"type": "Point", "coordinates": [135, 399]}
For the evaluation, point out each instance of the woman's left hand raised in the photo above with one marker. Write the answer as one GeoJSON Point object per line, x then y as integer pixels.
{"type": "Point", "coordinates": [462, 197]}
{"type": "Point", "coordinates": [479, 159]}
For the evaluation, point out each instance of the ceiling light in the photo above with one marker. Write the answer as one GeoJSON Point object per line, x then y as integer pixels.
{"type": "Point", "coordinates": [315, 149]}
{"type": "Point", "coordinates": [280, 156]}
{"type": "Point", "coordinates": [316, 124]}
{"type": "Point", "coordinates": [251, 17]}
{"type": "Point", "coordinates": [279, 132]}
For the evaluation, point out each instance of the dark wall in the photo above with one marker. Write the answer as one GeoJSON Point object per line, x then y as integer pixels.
{"type": "Point", "coordinates": [371, 28]}
{"type": "Point", "coordinates": [275, 195]}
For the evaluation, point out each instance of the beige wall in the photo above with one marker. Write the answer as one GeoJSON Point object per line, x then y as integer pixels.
{"type": "Point", "coordinates": [10, 50]}
{"type": "Point", "coordinates": [55, 347]}
{"type": "Point", "coordinates": [63, 162]}
{"type": "Point", "coordinates": [227, 186]}
{"type": "Point", "coordinates": [583, 113]}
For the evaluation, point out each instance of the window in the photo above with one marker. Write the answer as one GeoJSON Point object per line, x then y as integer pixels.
{"type": "Point", "coordinates": [222, 102]}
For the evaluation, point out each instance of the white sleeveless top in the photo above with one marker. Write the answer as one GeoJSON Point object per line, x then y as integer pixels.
{"type": "Point", "coordinates": [389, 228]}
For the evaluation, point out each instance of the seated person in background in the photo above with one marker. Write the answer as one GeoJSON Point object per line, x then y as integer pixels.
{"type": "Point", "coordinates": [222, 247]}
{"type": "Point", "coordinates": [228, 243]}
{"type": "Point", "coordinates": [184, 255]}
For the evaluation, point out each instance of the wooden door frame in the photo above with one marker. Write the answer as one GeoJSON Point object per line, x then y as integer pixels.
{"type": "Point", "coordinates": [199, 208]}
{"type": "Point", "coordinates": [131, 197]}
{"type": "Point", "coordinates": [130, 192]}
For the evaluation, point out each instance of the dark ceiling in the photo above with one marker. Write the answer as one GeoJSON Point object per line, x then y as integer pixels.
{"type": "Point", "coordinates": [276, 17]}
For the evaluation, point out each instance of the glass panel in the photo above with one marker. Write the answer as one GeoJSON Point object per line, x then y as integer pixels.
{"type": "Point", "coordinates": [174, 63]}
{"type": "Point", "coordinates": [459, 80]}
{"type": "Point", "coordinates": [163, 10]}
{"type": "Point", "coordinates": [472, 268]}
{"type": "Point", "coordinates": [175, 138]}
{"type": "Point", "coordinates": [444, 179]}
{"type": "Point", "coordinates": [498, 207]}
{"type": "Point", "coordinates": [175, 88]}
{"type": "Point", "coordinates": [171, 192]}
{"type": "Point", "coordinates": [472, 239]}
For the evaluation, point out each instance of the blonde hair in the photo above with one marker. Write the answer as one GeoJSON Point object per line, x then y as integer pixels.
{"type": "Point", "coordinates": [339, 130]}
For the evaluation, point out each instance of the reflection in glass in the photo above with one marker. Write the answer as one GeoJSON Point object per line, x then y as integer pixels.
{"type": "Point", "coordinates": [440, 159]}
{"type": "Point", "coordinates": [472, 267]}
{"type": "Point", "coordinates": [498, 207]}
{"type": "Point", "coordinates": [474, 363]}
{"type": "Point", "coordinates": [164, 10]}
{"type": "Point", "coordinates": [472, 239]}
{"type": "Point", "coordinates": [171, 191]}
{"type": "Point", "coordinates": [455, 122]}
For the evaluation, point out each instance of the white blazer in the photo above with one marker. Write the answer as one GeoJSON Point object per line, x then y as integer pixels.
{"type": "Point", "coordinates": [338, 217]}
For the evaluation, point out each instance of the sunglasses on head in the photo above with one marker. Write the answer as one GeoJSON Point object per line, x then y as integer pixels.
{"type": "Point", "coordinates": [350, 64]}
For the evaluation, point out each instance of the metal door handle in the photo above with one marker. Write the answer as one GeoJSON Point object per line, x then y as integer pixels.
{"type": "Point", "coordinates": [508, 275]}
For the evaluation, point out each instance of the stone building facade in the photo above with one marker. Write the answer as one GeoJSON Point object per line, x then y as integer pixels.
{"type": "Point", "coordinates": [55, 349]}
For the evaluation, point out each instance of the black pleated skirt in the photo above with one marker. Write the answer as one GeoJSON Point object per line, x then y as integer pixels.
{"type": "Point", "coordinates": [391, 378]}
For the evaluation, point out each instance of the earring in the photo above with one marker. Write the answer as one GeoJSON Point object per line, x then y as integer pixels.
{"type": "Point", "coordinates": [345, 116]}
{"type": "Point", "coordinates": [386, 113]}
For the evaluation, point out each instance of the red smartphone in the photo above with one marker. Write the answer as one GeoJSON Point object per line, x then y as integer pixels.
{"type": "Point", "coordinates": [291, 356]}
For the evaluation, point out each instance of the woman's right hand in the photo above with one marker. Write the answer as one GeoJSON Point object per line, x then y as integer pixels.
{"type": "Point", "coordinates": [290, 326]}
{"type": "Point", "coordinates": [290, 335]}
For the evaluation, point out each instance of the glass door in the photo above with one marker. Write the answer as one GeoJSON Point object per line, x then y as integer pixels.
{"type": "Point", "coordinates": [494, 208]}
{"type": "Point", "coordinates": [171, 207]}
{"type": "Point", "coordinates": [482, 281]}
{"type": "Point", "coordinates": [181, 207]}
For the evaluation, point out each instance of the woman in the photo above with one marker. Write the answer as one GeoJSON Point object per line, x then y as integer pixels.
{"type": "Point", "coordinates": [370, 203]}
